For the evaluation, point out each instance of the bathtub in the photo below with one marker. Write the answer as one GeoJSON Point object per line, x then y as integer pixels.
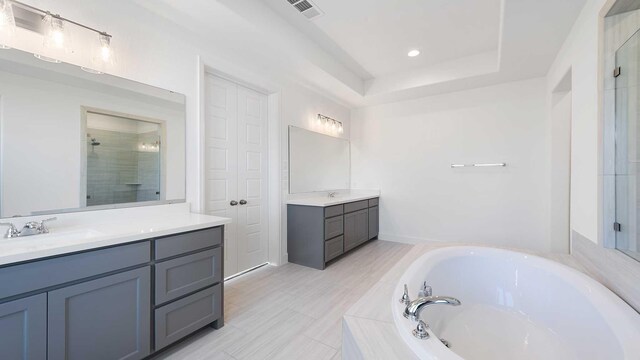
{"type": "Point", "coordinates": [515, 306]}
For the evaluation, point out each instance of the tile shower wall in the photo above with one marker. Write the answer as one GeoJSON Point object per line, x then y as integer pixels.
{"type": "Point", "coordinates": [118, 172]}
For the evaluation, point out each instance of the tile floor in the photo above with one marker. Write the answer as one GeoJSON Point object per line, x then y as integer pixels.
{"type": "Point", "coordinates": [291, 311]}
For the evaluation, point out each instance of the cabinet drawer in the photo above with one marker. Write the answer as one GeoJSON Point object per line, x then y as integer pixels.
{"type": "Point", "coordinates": [355, 206]}
{"type": "Point", "coordinates": [187, 242]}
{"type": "Point", "coordinates": [37, 275]}
{"type": "Point", "coordinates": [178, 319]}
{"type": "Point", "coordinates": [373, 202]}
{"type": "Point", "coordinates": [333, 248]}
{"type": "Point", "coordinates": [332, 211]}
{"type": "Point", "coordinates": [333, 227]}
{"type": "Point", "coordinates": [178, 277]}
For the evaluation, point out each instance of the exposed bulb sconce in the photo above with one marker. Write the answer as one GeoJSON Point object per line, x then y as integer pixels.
{"type": "Point", "coordinates": [7, 22]}
{"type": "Point", "coordinates": [330, 124]}
{"type": "Point", "coordinates": [56, 30]}
{"type": "Point", "coordinates": [54, 34]}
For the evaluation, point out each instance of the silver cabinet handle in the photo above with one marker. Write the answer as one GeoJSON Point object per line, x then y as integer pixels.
{"type": "Point", "coordinates": [243, 202]}
{"type": "Point", "coordinates": [233, 203]}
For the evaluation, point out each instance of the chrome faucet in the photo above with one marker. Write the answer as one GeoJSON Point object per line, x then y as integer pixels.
{"type": "Point", "coordinates": [30, 228]}
{"type": "Point", "coordinates": [413, 310]}
{"type": "Point", "coordinates": [333, 194]}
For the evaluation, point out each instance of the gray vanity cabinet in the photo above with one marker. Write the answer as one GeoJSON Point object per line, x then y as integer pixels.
{"type": "Point", "coordinates": [107, 318]}
{"type": "Point", "coordinates": [121, 302]}
{"type": "Point", "coordinates": [23, 328]}
{"type": "Point", "coordinates": [356, 229]}
{"type": "Point", "coordinates": [317, 235]}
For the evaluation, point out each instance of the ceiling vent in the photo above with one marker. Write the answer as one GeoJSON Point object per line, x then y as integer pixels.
{"type": "Point", "coordinates": [307, 8]}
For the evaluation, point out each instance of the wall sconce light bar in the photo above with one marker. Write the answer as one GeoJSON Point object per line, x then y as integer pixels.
{"type": "Point", "coordinates": [42, 13]}
{"type": "Point", "coordinates": [331, 123]}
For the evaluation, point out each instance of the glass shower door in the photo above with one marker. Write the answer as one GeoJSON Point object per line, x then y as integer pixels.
{"type": "Point", "coordinates": [627, 147]}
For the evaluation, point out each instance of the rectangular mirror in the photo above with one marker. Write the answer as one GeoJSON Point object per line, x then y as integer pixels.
{"type": "Point", "coordinates": [73, 140]}
{"type": "Point", "coordinates": [317, 162]}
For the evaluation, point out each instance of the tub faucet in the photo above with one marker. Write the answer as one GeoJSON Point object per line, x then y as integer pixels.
{"type": "Point", "coordinates": [414, 308]}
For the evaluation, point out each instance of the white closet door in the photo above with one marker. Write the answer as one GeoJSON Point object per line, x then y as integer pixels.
{"type": "Point", "coordinates": [221, 161]}
{"type": "Point", "coordinates": [252, 175]}
{"type": "Point", "coordinates": [236, 170]}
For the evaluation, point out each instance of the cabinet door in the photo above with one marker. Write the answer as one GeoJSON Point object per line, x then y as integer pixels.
{"type": "Point", "coordinates": [23, 329]}
{"type": "Point", "coordinates": [107, 318]}
{"type": "Point", "coordinates": [373, 222]}
{"type": "Point", "coordinates": [356, 229]}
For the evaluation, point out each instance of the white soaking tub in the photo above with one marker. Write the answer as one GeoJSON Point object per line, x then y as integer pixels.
{"type": "Point", "coordinates": [514, 307]}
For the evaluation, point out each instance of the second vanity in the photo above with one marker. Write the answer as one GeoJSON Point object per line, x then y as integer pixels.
{"type": "Point", "coordinates": [123, 294]}
{"type": "Point", "coordinates": [320, 229]}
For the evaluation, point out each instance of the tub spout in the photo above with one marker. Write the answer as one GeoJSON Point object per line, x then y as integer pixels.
{"type": "Point", "coordinates": [413, 310]}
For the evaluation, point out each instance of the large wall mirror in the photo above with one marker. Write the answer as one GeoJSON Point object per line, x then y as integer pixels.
{"type": "Point", "coordinates": [73, 140]}
{"type": "Point", "coordinates": [317, 162]}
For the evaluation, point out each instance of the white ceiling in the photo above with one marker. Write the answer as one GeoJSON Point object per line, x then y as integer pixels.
{"type": "Point", "coordinates": [356, 52]}
{"type": "Point", "coordinates": [379, 34]}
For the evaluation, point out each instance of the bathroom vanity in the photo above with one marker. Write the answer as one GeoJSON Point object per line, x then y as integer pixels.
{"type": "Point", "coordinates": [321, 229]}
{"type": "Point", "coordinates": [145, 291]}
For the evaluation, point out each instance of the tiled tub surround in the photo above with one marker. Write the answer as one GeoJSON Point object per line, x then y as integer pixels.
{"type": "Point", "coordinates": [369, 331]}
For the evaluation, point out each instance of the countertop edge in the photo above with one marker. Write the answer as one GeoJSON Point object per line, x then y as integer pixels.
{"type": "Point", "coordinates": [101, 242]}
{"type": "Point", "coordinates": [337, 201]}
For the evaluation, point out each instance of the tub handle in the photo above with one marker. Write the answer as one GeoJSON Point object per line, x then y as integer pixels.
{"type": "Point", "coordinates": [405, 296]}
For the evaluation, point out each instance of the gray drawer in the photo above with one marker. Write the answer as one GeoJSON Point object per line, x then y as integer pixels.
{"type": "Point", "coordinates": [333, 211]}
{"type": "Point", "coordinates": [187, 242]}
{"type": "Point", "coordinates": [333, 227]}
{"type": "Point", "coordinates": [355, 206]}
{"type": "Point", "coordinates": [178, 319]}
{"type": "Point", "coordinates": [184, 275]}
{"type": "Point", "coordinates": [373, 202]}
{"type": "Point", "coordinates": [37, 275]}
{"type": "Point", "coordinates": [333, 248]}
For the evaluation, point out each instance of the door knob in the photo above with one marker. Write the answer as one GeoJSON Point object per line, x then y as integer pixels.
{"type": "Point", "coordinates": [243, 202]}
{"type": "Point", "coordinates": [233, 203]}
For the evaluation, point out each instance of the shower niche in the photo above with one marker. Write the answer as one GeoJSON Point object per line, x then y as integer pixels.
{"type": "Point", "coordinates": [124, 158]}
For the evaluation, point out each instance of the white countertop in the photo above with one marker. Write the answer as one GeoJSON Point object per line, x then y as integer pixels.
{"type": "Point", "coordinates": [323, 199]}
{"type": "Point", "coordinates": [96, 229]}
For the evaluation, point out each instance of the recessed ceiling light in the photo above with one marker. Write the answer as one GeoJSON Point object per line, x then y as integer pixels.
{"type": "Point", "coordinates": [413, 53]}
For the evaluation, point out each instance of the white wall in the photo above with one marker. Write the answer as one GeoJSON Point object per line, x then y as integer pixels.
{"type": "Point", "coordinates": [154, 51]}
{"type": "Point", "coordinates": [580, 54]}
{"type": "Point", "coordinates": [405, 149]}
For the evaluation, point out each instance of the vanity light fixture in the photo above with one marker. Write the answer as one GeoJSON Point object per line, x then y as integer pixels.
{"type": "Point", "coordinates": [7, 22]}
{"type": "Point", "coordinates": [56, 31]}
{"type": "Point", "coordinates": [413, 53]}
{"type": "Point", "coordinates": [54, 34]}
{"type": "Point", "coordinates": [331, 124]}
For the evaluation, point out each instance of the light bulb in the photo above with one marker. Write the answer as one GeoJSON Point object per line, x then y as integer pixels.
{"type": "Point", "coordinates": [7, 22]}
{"type": "Point", "coordinates": [333, 126]}
{"type": "Point", "coordinates": [54, 32]}
{"type": "Point", "coordinates": [105, 48]}
{"type": "Point", "coordinates": [340, 129]}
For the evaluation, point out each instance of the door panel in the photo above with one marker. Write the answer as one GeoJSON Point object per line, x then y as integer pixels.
{"type": "Point", "coordinates": [236, 166]}
{"type": "Point", "coordinates": [221, 159]}
{"type": "Point", "coordinates": [23, 329]}
{"type": "Point", "coordinates": [82, 324]}
{"type": "Point", "coordinates": [252, 172]}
